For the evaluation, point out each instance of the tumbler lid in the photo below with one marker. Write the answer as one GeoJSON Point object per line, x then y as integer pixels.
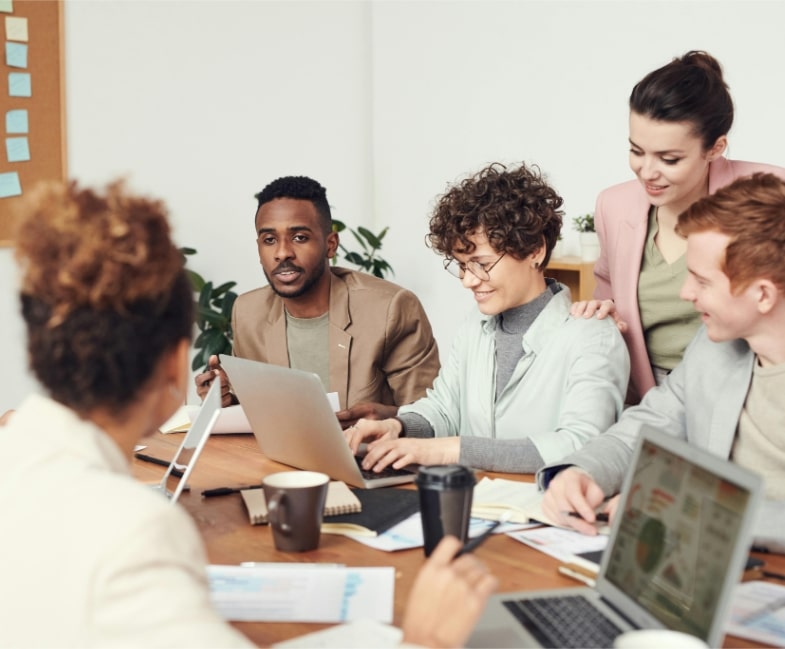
{"type": "Point", "coordinates": [445, 476]}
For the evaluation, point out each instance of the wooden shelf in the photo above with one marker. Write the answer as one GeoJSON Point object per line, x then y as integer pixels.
{"type": "Point", "coordinates": [576, 274]}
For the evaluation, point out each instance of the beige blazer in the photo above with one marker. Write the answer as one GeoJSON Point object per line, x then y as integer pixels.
{"type": "Point", "coordinates": [621, 220]}
{"type": "Point", "coordinates": [382, 348]}
{"type": "Point", "coordinates": [89, 557]}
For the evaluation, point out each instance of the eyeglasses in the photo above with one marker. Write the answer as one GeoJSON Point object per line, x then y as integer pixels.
{"type": "Point", "coordinates": [479, 270]}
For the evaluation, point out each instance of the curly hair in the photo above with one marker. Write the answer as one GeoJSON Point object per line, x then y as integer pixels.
{"type": "Point", "coordinates": [750, 211]}
{"type": "Point", "coordinates": [103, 292]}
{"type": "Point", "coordinates": [300, 188]}
{"type": "Point", "coordinates": [514, 207]}
{"type": "Point", "coordinates": [688, 89]}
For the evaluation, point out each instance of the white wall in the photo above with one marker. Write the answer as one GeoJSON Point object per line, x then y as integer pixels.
{"type": "Point", "coordinates": [203, 103]}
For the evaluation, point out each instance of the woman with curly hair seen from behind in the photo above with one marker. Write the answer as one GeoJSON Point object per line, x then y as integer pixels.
{"type": "Point", "coordinates": [525, 384]}
{"type": "Point", "coordinates": [108, 309]}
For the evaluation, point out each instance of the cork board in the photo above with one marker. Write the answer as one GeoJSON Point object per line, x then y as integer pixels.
{"type": "Point", "coordinates": [32, 102]}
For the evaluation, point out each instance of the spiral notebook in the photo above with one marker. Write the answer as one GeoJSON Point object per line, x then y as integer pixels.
{"type": "Point", "coordinates": [340, 500]}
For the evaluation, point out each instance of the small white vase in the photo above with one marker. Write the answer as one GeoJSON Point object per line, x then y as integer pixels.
{"type": "Point", "coordinates": [590, 246]}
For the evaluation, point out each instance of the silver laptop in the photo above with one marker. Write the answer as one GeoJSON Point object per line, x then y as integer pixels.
{"type": "Point", "coordinates": [294, 424]}
{"type": "Point", "coordinates": [193, 441]}
{"type": "Point", "coordinates": [672, 561]}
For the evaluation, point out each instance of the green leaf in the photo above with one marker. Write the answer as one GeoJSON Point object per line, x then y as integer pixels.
{"type": "Point", "coordinates": [223, 288]}
{"type": "Point", "coordinates": [205, 294]}
{"type": "Point", "coordinates": [370, 237]}
{"type": "Point", "coordinates": [355, 258]}
{"type": "Point", "coordinates": [360, 240]}
{"type": "Point", "coordinates": [228, 304]}
{"type": "Point", "coordinates": [216, 320]}
{"type": "Point", "coordinates": [197, 281]}
{"type": "Point", "coordinates": [338, 226]}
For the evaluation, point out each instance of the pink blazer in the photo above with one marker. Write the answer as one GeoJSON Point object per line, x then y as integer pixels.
{"type": "Point", "coordinates": [621, 219]}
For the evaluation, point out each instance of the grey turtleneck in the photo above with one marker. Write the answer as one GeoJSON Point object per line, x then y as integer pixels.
{"type": "Point", "coordinates": [513, 324]}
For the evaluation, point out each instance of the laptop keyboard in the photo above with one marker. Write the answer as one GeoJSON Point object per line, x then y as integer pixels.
{"type": "Point", "coordinates": [568, 621]}
{"type": "Point", "coordinates": [386, 472]}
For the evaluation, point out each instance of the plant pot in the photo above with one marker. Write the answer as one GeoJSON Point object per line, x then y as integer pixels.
{"type": "Point", "coordinates": [590, 246]}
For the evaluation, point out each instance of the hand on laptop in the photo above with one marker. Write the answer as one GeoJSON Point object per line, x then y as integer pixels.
{"type": "Point", "coordinates": [573, 497]}
{"type": "Point", "coordinates": [365, 410]}
{"type": "Point", "coordinates": [386, 447]}
{"type": "Point", "coordinates": [364, 430]}
{"type": "Point", "coordinates": [205, 380]}
{"type": "Point", "coordinates": [447, 598]}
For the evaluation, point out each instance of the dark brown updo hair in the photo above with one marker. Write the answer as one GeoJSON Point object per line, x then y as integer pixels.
{"type": "Point", "coordinates": [688, 89]}
{"type": "Point", "coordinates": [515, 207]}
{"type": "Point", "coordinates": [103, 292]}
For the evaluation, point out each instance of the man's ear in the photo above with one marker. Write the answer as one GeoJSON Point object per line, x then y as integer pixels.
{"type": "Point", "coordinates": [332, 244]}
{"type": "Point", "coordinates": [767, 295]}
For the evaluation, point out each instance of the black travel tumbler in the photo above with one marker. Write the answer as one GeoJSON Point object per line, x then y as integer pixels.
{"type": "Point", "coordinates": [445, 502]}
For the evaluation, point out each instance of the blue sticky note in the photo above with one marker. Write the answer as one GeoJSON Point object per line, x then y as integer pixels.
{"type": "Point", "coordinates": [19, 84]}
{"type": "Point", "coordinates": [16, 55]}
{"type": "Point", "coordinates": [17, 148]}
{"type": "Point", "coordinates": [9, 185]}
{"type": "Point", "coordinates": [16, 121]}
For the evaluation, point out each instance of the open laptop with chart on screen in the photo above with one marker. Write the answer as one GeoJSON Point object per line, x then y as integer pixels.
{"type": "Point", "coordinates": [675, 553]}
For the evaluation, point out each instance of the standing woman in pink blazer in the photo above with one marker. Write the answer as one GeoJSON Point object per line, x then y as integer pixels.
{"type": "Point", "coordinates": [680, 115]}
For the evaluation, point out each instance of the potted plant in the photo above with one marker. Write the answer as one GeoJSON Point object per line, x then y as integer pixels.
{"type": "Point", "coordinates": [590, 244]}
{"type": "Point", "coordinates": [213, 305]}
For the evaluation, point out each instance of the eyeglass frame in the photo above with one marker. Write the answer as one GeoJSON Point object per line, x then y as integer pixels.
{"type": "Point", "coordinates": [452, 262]}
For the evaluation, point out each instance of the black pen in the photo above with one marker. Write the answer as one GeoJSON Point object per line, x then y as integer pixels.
{"type": "Point", "coordinates": [157, 460]}
{"type": "Point", "coordinates": [599, 517]}
{"type": "Point", "coordinates": [473, 544]}
{"type": "Point", "coordinates": [225, 491]}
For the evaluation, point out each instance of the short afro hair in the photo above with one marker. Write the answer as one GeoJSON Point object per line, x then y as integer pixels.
{"type": "Point", "coordinates": [300, 188]}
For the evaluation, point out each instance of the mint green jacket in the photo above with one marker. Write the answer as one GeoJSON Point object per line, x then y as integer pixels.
{"type": "Point", "coordinates": [568, 387]}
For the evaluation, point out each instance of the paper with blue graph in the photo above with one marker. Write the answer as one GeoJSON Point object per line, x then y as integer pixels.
{"type": "Point", "coordinates": [302, 592]}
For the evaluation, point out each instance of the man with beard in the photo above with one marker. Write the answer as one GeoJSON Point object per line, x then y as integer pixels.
{"type": "Point", "coordinates": [367, 339]}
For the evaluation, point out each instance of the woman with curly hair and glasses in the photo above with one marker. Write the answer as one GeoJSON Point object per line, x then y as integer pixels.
{"type": "Point", "coordinates": [105, 559]}
{"type": "Point", "coordinates": [525, 384]}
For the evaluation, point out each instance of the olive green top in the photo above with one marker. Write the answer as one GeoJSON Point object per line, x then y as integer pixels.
{"type": "Point", "coordinates": [307, 340]}
{"type": "Point", "coordinates": [669, 322]}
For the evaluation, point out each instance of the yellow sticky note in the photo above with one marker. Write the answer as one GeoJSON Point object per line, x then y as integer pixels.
{"type": "Point", "coordinates": [16, 28]}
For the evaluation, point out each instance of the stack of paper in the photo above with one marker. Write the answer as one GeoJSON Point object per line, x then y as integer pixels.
{"type": "Point", "coordinates": [302, 592]}
{"type": "Point", "coordinates": [494, 497]}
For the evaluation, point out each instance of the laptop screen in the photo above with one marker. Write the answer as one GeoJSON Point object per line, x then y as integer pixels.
{"type": "Point", "coordinates": [675, 540]}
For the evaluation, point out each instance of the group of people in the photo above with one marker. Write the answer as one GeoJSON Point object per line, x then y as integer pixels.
{"type": "Point", "coordinates": [685, 334]}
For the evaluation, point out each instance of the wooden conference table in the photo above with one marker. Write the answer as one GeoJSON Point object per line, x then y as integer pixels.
{"type": "Point", "coordinates": [234, 460]}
